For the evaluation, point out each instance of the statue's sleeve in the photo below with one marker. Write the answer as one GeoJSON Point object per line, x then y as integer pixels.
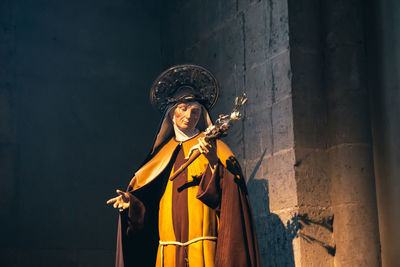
{"type": "Point", "coordinates": [225, 190]}
{"type": "Point", "coordinates": [137, 238]}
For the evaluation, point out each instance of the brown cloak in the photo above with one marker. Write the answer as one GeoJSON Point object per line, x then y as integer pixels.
{"type": "Point", "coordinates": [222, 192]}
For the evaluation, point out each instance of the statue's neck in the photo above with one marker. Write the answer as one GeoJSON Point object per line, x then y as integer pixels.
{"type": "Point", "coordinates": [182, 135]}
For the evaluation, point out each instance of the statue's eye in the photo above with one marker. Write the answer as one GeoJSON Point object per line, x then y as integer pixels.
{"type": "Point", "coordinates": [182, 107]}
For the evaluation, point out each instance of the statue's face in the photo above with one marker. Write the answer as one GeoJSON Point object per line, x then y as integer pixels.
{"type": "Point", "coordinates": [187, 116]}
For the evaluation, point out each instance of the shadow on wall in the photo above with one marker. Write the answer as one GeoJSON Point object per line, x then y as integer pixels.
{"type": "Point", "coordinates": [274, 238]}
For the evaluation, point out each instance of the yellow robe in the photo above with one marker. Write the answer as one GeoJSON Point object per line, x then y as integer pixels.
{"type": "Point", "coordinates": [203, 221]}
{"type": "Point", "coordinates": [227, 216]}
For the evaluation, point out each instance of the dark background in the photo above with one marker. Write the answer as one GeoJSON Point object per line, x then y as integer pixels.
{"type": "Point", "coordinates": [83, 115]}
{"type": "Point", "coordinates": [82, 121]}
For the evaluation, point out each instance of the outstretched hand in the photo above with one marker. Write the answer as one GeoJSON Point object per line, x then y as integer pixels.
{"type": "Point", "coordinates": [120, 202]}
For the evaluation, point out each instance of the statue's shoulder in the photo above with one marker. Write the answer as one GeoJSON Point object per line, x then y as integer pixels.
{"type": "Point", "coordinates": [153, 167]}
{"type": "Point", "coordinates": [228, 159]}
{"type": "Point", "coordinates": [224, 152]}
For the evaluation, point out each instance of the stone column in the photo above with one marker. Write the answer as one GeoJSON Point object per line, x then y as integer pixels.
{"type": "Point", "coordinates": [315, 216]}
{"type": "Point", "coordinates": [384, 84]}
{"type": "Point", "coordinates": [349, 148]}
{"type": "Point", "coordinates": [332, 135]}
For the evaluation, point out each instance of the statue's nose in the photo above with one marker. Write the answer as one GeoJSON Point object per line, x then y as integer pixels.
{"type": "Point", "coordinates": [188, 114]}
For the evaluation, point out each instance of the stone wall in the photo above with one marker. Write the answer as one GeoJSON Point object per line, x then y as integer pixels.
{"type": "Point", "coordinates": [305, 143]}
{"type": "Point", "coordinates": [246, 45]}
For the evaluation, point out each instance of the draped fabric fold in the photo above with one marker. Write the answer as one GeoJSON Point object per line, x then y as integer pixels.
{"type": "Point", "coordinates": [207, 203]}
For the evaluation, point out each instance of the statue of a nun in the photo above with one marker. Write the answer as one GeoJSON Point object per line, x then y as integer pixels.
{"type": "Point", "coordinates": [200, 218]}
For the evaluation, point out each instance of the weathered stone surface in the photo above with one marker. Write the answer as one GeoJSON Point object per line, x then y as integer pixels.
{"type": "Point", "coordinates": [217, 13]}
{"type": "Point", "coordinates": [229, 39]}
{"type": "Point", "coordinates": [309, 100]}
{"type": "Point", "coordinates": [253, 169]}
{"type": "Point", "coordinates": [349, 60]}
{"type": "Point", "coordinates": [283, 192]}
{"type": "Point", "coordinates": [316, 233]}
{"type": "Point", "coordinates": [269, 17]}
{"type": "Point", "coordinates": [279, 27]}
{"type": "Point", "coordinates": [353, 122]}
{"type": "Point", "coordinates": [258, 127]}
{"type": "Point", "coordinates": [355, 224]}
{"type": "Point", "coordinates": [305, 25]}
{"type": "Point", "coordinates": [275, 241]}
{"type": "Point", "coordinates": [331, 130]}
{"type": "Point", "coordinates": [218, 50]}
{"type": "Point", "coordinates": [243, 5]}
{"type": "Point", "coordinates": [382, 35]}
{"type": "Point", "coordinates": [313, 177]}
{"type": "Point", "coordinates": [253, 129]}
{"type": "Point", "coordinates": [309, 73]}
{"type": "Point", "coordinates": [352, 174]}
{"type": "Point", "coordinates": [279, 163]}
{"type": "Point", "coordinates": [282, 75]}
{"type": "Point", "coordinates": [278, 170]}
{"type": "Point", "coordinates": [235, 140]}
{"type": "Point", "coordinates": [282, 124]}
{"type": "Point", "coordinates": [257, 29]}
{"type": "Point", "coordinates": [259, 88]}
{"type": "Point", "coordinates": [345, 23]}
{"type": "Point", "coordinates": [231, 81]}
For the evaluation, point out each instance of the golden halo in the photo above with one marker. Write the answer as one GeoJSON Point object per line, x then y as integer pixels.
{"type": "Point", "coordinates": [199, 80]}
